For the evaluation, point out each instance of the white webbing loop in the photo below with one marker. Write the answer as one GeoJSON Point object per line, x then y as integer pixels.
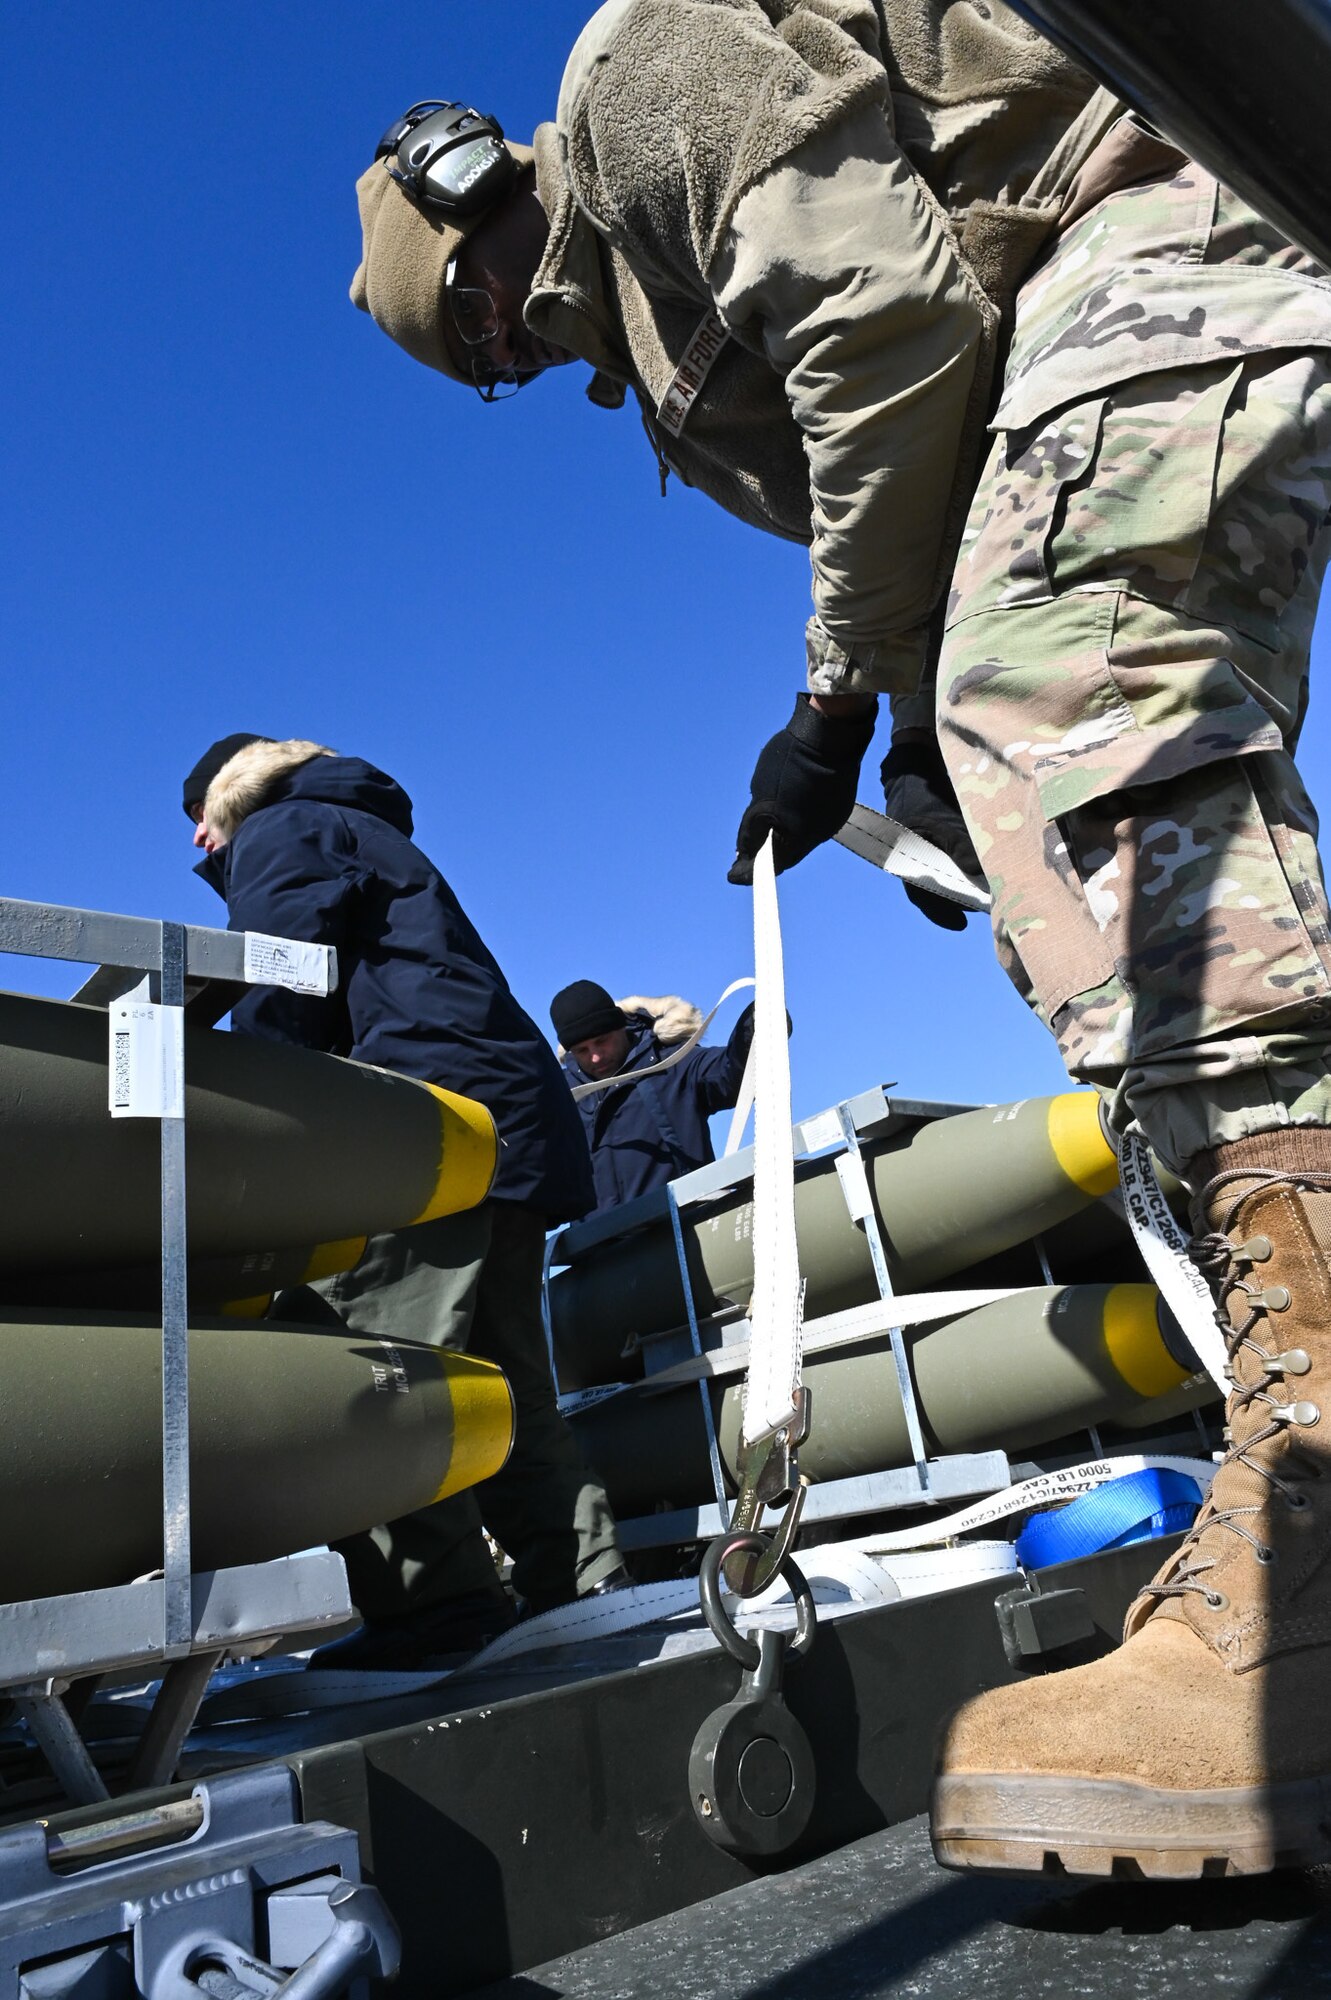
{"type": "Point", "coordinates": [776, 1314]}
{"type": "Point", "coordinates": [1164, 1250]}
{"type": "Point", "coordinates": [885, 843]}
{"type": "Point", "coordinates": [581, 1090]}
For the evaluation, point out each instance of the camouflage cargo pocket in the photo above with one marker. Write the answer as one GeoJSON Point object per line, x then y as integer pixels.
{"type": "Point", "coordinates": [1177, 905]}
{"type": "Point", "coordinates": [1130, 615]}
{"type": "Point", "coordinates": [1114, 492]}
{"type": "Point", "coordinates": [1209, 897]}
{"type": "Point", "coordinates": [1136, 512]}
{"type": "Point", "coordinates": [1095, 562]}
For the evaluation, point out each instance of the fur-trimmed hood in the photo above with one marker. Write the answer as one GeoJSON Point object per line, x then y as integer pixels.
{"type": "Point", "coordinates": [263, 773]}
{"type": "Point", "coordinates": [323, 853]}
{"type": "Point", "coordinates": [248, 779]}
{"type": "Point", "coordinates": [670, 1018]}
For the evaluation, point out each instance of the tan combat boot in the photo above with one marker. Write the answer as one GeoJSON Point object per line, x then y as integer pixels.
{"type": "Point", "coordinates": [1203, 1745]}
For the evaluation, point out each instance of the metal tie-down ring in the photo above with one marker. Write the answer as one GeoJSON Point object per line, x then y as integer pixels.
{"type": "Point", "coordinates": [719, 1621]}
{"type": "Point", "coordinates": [751, 1770]}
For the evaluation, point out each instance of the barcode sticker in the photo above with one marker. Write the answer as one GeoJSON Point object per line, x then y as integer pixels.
{"type": "Point", "coordinates": [146, 1070]}
{"type": "Point", "coordinates": [275, 961]}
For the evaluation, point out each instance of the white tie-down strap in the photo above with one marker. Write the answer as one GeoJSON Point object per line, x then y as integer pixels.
{"type": "Point", "coordinates": [776, 1312]}
{"type": "Point", "coordinates": [739, 1117]}
{"type": "Point", "coordinates": [581, 1090]}
{"type": "Point", "coordinates": [831, 1330]}
{"type": "Point", "coordinates": [591, 1618]}
{"type": "Point", "coordinates": [852, 1573]}
{"type": "Point", "coordinates": [841, 1576]}
{"type": "Point", "coordinates": [1046, 1489]}
{"type": "Point", "coordinates": [1164, 1250]}
{"type": "Point", "coordinates": [846, 1576]}
{"type": "Point", "coordinates": [886, 843]}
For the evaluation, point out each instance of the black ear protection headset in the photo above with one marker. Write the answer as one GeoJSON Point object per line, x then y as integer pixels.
{"type": "Point", "coordinates": [449, 157]}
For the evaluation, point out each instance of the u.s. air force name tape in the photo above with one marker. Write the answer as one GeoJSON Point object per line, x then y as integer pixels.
{"type": "Point", "coordinates": [1164, 1250]}
{"type": "Point", "coordinates": [709, 337]}
{"type": "Point", "coordinates": [885, 843]}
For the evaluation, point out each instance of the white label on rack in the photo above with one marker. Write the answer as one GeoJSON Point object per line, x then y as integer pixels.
{"type": "Point", "coordinates": [824, 1129]}
{"type": "Point", "coordinates": [146, 1068]}
{"type": "Point", "coordinates": [854, 1186]}
{"type": "Point", "coordinates": [275, 961]}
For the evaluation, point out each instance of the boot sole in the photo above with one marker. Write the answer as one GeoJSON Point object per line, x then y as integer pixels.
{"type": "Point", "coordinates": [1018, 1825]}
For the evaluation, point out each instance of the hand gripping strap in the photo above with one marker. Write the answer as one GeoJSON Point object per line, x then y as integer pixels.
{"type": "Point", "coordinates": [884, 843]}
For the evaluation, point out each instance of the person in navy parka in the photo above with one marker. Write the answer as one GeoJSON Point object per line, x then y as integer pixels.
{"type": "Point", "coordinates": [645, 1133]}
{"type": "Point", "coordinates": [304, 843]}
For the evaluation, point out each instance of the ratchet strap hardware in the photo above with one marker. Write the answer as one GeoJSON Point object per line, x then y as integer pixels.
{"type": "Point", "coordinates": [768, 1473]}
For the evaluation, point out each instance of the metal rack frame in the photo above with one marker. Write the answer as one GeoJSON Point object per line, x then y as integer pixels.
{"type": "Point", "coordinates": [926, 1481]}
{"type": "Point", "coordinates": [183, 1620]}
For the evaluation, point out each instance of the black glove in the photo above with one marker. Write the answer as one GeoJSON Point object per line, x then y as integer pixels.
{"type": "Point", "coordinates": [741, 1035]}
{"type": "Point", "coordinates": [919, 793]}
{"type": "Point", "coordinates": [803, 786]}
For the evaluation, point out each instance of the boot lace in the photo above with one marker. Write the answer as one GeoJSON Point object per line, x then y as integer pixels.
{"type": "Point", "coordinates": [1228, 1266]}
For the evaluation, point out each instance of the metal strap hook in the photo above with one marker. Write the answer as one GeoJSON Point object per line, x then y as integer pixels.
{"type": "Point", "coordinates": [768, 1474]}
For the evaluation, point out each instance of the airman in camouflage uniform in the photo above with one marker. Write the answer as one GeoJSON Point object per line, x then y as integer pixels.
{"type": "Point", "coordinates": [1123, 681]}
{"type": "Point", "coordinates": [799, 234]}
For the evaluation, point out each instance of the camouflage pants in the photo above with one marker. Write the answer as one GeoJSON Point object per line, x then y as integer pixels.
{"type": "Point", "coordinates": [1124, 673]}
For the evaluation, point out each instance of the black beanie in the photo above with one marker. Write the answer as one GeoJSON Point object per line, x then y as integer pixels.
{"type": "Point", "coordinates": [211, 762]}
{"type": "Point", "coordinates": [583, 1010]}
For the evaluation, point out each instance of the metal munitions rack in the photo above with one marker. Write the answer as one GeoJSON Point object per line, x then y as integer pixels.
{"type": "Point", "coordinates": [669, 1358]}
{"type": "Point", "coordinates": [181, 1619]}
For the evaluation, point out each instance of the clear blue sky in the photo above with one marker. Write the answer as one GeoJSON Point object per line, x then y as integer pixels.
{"type": "Point", "coordinates": [232, 504]}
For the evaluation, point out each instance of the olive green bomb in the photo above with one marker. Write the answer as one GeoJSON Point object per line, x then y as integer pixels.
{"type": "Point", "coordinates": [286, 1147]}
{"type": "Point", "coordinates": [298, 1435]}
{"type": "Point", "coordinates": [949, 1194]}
{"type": "Point", "coordinates": [1016, 1372]}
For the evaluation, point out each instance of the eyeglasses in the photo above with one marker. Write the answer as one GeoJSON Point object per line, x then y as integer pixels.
{"type": "Point", "coordinates": [476, 320]}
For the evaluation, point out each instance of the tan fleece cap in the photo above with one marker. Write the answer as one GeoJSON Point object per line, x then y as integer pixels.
{"type": "Point", "coordinates": [406, 249]}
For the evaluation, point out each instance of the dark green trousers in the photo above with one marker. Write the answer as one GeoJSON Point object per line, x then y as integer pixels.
{"type": "Point", "coordinates": [473, 1282]}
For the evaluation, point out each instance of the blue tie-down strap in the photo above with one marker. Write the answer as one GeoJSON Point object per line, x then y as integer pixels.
{"type": "Point", "coordinates": [1134, 1508]}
